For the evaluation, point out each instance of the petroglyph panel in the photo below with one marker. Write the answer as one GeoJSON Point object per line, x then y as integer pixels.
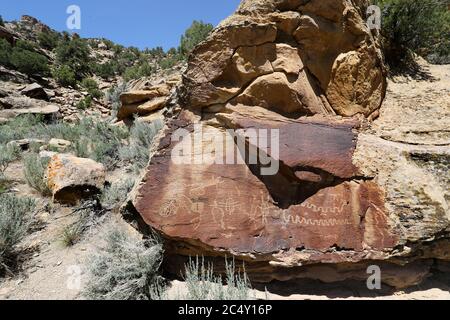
{"type": "Point", "coordinates": [228, 207]}
{"type": "Point", "coordinates": [236, 213]}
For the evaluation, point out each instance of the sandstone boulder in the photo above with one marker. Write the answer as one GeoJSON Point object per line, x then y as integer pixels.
{"type": "Point", "coordinates": [13, 106]}
{"type": "Point", "coordinates": [143, 95]}
{"type": "Point", "coordinates": [143, 102]}
{"type": "Point", "coordinates": [323, 45]}
{"type": "Point", "coordinates": [272, 159]}
{"type": "Point", "coordinates": [73, 179]}
{"type": "Point", "coordinates": [141, 109]}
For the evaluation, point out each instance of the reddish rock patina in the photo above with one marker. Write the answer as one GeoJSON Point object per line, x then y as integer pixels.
{"type": "Point", "coordinates": [229, 209]}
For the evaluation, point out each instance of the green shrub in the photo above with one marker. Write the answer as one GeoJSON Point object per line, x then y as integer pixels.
{"type": "Point", "coordinates": [48, 40]}
{"type": "Point", "coordinates": [118, 50]}
{"type": "Point", "coordinates": [143, 69]}
{"type": "Point", "coordinates": [131, 73]}
{"type": "Point", "coordinates": [202, 284]}
{"type": "Point", "coordinates": [74, 54]}
{"type": "Point", "coordinates": [170, 61]}
{"type": "Point", "coordinates": [99, 141]}
{"type": "Point", "coordinates": [85, 103]}
{"type": "Point", "coordinates": [127, 56]}
{"type": "Point", "coordinates": [2, 23]}
{"type": "Point", "coordinates": [125, 269]}
{"type": "Point", "coordinates": [105, 70]}
{"type": "Point", "coordinates": [157, 52]}
{"type": "Point", "coordinates": [25, 60]}
{"type": "Point", "coordinates": [5, 53]}
{"type": "Point", "coordinates": [195, 34]}
{"type": "Point", "coordinates": [65, 76]}
{"type": "Point", "coordinates": [71, 234]}
{"type": "Point", "coordinates": [105, 142]}
{"type": "Point", "coordinates": [108, 43]}
{"type": "Point", "coordinates": [15, 219]}
{"type": "Point", "coordinates": [34, 168]}
{"type": "Point", "coordinates": [422, 27]}
{"type": "Point", "coordinates": [137, 152]}
{"type": "Point", "coordinates": [8, 154]}
{"type": "Point", "coordinates": [91, 87]}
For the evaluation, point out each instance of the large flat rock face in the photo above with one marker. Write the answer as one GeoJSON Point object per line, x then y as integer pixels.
{"type": "Point", "coordinates": [313, 208]}
{"type": "Point", "coordinates": [271, 159]}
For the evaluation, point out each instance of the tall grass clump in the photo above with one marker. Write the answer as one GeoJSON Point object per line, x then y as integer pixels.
{"type": "Point", "coordinates": [87, 215]}
{"type": "Point", "coordinates": [8, 154]}
{"type": "Point", "coordinates": [99, 141]}
{"type": "Point", "coordinates": [203, 284]}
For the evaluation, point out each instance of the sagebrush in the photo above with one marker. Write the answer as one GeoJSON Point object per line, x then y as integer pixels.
{"type": "Point", "coordinates": [125, 269]}
{"type": "Point", "coordinates": [8, 154]}
{"type": "Point", "coordinates": [112, 97]}
{"type": "Point", "coordinates": [15, 219]}
{"type": "Point", "coordinates": [142, 135]}
{"type": "Point", "coordinates": [114, 195]}
{"type": "Point", "coordinates": [34, 168]}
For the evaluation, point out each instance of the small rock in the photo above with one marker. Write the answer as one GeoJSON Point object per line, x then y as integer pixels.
{"type": "Point", "coordinates": [59, 144]}
{"type": "Point", "coordinates": [35, 91]}
{"type": "Point", "coordinates": [50, 93]}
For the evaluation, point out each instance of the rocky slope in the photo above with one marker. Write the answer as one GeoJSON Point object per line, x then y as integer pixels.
{"type": "Point", "coordinates": [349, 193]}
{"type": "Point", "coordinates": [37, 94]}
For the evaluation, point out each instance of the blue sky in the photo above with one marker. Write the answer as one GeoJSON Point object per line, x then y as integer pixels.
{"type": "Point", "coordinates": [140, 23]}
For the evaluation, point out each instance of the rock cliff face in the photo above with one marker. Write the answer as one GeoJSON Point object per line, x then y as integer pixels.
{"type": "Point", "coordinates": [300, 187]}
